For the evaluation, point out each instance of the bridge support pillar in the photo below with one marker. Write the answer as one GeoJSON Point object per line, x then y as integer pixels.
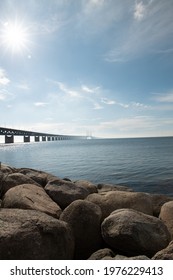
{"type": "Point", "coordinates": [37, 138]}
{"type": "Point", "coordinates": [48, 138]}
{"type": "Point", "coordinates": [26, 138]}
{"type": "Point", "coordinates": [43, 138]}
{"type": "Point", "coordinates": [9, 139]}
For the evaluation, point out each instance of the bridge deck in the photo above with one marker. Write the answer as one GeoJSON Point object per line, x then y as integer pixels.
{"type": "Point", "coordinates": [9, 134]}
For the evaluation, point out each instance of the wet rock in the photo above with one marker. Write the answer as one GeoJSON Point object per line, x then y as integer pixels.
{"type": "Point", "coordinates": [30, 234]}
{"type": "Point", "coordinates": [113, 200]}
{"type": "Point", "coordinates": [101, 254]}
{"type": "Point", "coordinates": [64, 192]}
{"type": "Point", "coordinates": [29, 196]}
{"type": "Point", "coordinates": [14, 179]}
{"type": "Point", "coordinates": [6, 169]}
{"type": "Point", "coordinates": [166, 215]}
{"type": "Point", "coordinates": [40, 177]}
{"type": "Point", "coordinates": [141, 257]}
{"type": "Point", "coordinates": [67, 179]}
{"type": "Point", "coordinates": [84, 218]}
{"type": "Point", "coordinates": [158, 200]}
{"type": "Point", "coordinates": [90, 187]}
{"type": "Point", "coordinates": [165, 254]}
{"type": "Point", "coordinates": [134, 233]}
{"type": "Point", "coordinates": [110, 187]}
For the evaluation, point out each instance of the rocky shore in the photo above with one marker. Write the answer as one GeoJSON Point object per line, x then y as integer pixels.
{"type": "Point", "coordinates": [46, 217]}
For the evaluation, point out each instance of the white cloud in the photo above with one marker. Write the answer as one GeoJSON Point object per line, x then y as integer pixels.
{"type": "Point", "coordinates": [139, 11]}
{"type": "Point", "coordinates": [133, 105]}
{"type": "Point", "coordinates": [164, 97]}
{"type": "Point", "coordinates": [108, 101]}
{"type": "Point", "coordinates": [139, 105]}
{"type": "Point", "coordinates": [151, 31]}
{"type": "Point", "coordinates": [68, 91]}
{"type": "Point", "coordinates": [89, 90]}
{"type": "Point", "coordinates": [3, 78]}
{"type": "Point", "coordinates": [40, 104]}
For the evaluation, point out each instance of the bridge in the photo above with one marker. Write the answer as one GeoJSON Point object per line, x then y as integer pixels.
{"type": "Point", "coordinates": [10, 133]}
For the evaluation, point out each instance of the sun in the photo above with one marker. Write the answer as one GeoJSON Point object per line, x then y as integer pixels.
{"type": "Point", "coordinates": [15, 36]}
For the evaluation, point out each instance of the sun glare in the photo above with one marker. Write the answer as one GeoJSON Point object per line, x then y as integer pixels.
{"type": "Point", "coordinates": [15, 36]}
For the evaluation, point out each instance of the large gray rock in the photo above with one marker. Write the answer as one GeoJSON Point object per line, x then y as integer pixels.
{"type": "Point", "coordinates": [30, 234]}
{"type": "Point", "coordinates": [113, 200]}
{"type": "Point", "coordinates": [64, 192]}
{"type": "Point", "coordinates": [108, 254]}
{"type": "Point", "coordinates": [134, 233]}
{"type": "Point", "coordinates": [29, 196]}
{"type": "Point", "coordinates": [158, 200]}
{"type": "Point", "coordinates": [38, 176]}
{"type": "Point", "coordinates": [90, 187]}
{"type": "Point", "coordinates": [165, 254]}
{"type": "Point", "coordinates": [121, 257]}
{"type": "Point", "coordinates": [101, 254]}
{"type": "Point", "coordinates": [84, 218]}
{"type": "Point", "coordinates": [110, 187]}
{"type": "Point", "coordinates": [166, 215]}
{"type": "Point", "coordinates": [11, 180]}
{"type": "Point", "coordinates": [6, 169]}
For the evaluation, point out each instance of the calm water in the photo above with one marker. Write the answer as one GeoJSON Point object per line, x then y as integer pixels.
{"type": "Point", "coordinates": [144, 164]}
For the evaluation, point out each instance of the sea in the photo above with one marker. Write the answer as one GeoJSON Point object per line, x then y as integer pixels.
{"type": "Point", "coordinates": [143, 164]}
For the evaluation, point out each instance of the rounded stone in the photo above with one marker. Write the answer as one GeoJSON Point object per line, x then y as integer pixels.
{"type": "Point", "coordinates": [32, 235]}
{"type": "Point", "coordinates": [84, 218]}
{"type": "Point", "coordinates": [113, 200]}
{"type": "Point", "coordinates": [32, 197]}
{"type": "Point", "coordinates": [134, 233]}
{"type": "Point", "coordinates": [166, 215]}
{"type": "Point", "coordinates": [64, 192]}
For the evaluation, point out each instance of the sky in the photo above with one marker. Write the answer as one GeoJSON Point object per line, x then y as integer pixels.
{"type": "Point", "coordinates": [87, 67]}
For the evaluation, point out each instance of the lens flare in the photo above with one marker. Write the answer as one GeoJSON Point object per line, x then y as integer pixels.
{"type": "Point", "coordinates": [14, 36]}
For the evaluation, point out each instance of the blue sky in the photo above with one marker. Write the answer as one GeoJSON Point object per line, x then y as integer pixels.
{"type": "Point", "coordinates": [87, 66]}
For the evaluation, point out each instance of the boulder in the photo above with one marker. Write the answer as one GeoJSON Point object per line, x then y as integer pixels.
{"type": "Point", "coordinates": [29, 196]}
{"type": "Point", "coordinates": [15, 179]}
{"type": "Point", "coordinates": [133, 233]}
{"type": "Point", "coordinates": [165, 254]}
{"type": "Point", "coordinates": [38, 176]}
{"type": "Point", "coordinates": [158, 200]}
{"type": "Point", "coordinates": [90, 187]}
{"type": "Point", "coordinates": [110, 187]}
{"type": "Point", "coordinates": [32, 235]}
{"type": "Point", "coordinates": [166, 215]}
{"type": "Point", "coordinates": [6, 169]}
{"type": "Point", "coordinates": [84, 218]}
{"type": "Point", "coordinates": [113, 200]}
{"type": "Point", "coordinates": [101, 254]}
{"type": "Point", "coordinates": [121, 257]}
{"type": "Point", "coordinates": [108, 254]}
{"type": "Point", "coordinates": [64, 192]}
